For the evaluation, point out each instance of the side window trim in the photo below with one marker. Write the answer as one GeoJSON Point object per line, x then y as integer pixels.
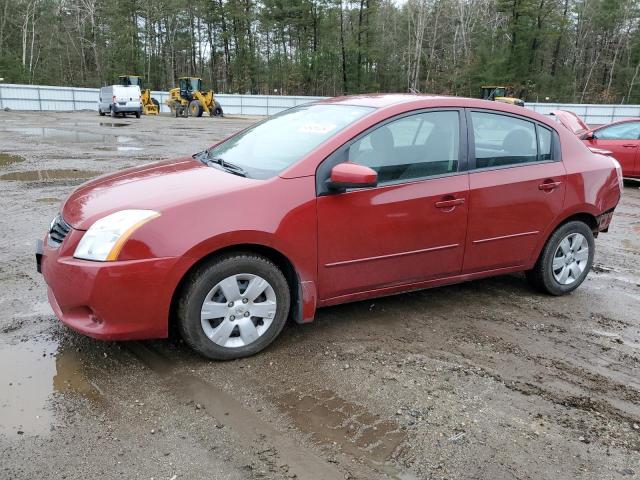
{"type": "Point", "coordinates": [339, 155]}
{"type": "Point", "coordinates": [471, 143]}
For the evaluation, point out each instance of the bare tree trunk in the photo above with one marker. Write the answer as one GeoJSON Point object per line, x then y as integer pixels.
{"type": "Point", "coordinates": [633, 81]}
{"type": "Point", "coordinates": [342, 48]}
{"type": "Point", "coordinates": [3, 22]}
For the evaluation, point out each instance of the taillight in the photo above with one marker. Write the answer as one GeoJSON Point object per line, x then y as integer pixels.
{"type": "Point", "coordinates": [618, 168]}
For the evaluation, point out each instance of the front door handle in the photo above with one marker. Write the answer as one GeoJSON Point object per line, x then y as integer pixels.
{"type": "Point", "coordinates": [630, 145]}
{"type": "Point", "coordinates": [449, 203]}
{"type": "Point", "coordinates": [548, 186]}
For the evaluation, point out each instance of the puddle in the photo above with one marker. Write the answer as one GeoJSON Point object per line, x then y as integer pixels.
{"type": "Point", "coordinates": [62, 135]}
{"type": "Point", "coordinates": [227, 412]}
{"type": "Point", "coordinates": [128, 149]}
{"type": "Point", "coordinates": [8, 159]}
{"type": "Point", "coordinates": [50, 200]}
{"type": "Point", "coordinates": [49, 175]}
{"type": "Point", "coordinates": [335, 422]}
{"type": "Point", "coordinates": [114, 124]}
{"type": "Point", "coordinates": [602, 333]}
{"type": "Point", "coordinates": [30, 374]}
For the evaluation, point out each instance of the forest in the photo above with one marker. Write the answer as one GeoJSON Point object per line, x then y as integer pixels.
{"type": "Point", "coordinates": [556, 50]}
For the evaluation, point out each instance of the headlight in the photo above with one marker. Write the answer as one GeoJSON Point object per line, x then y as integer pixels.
{"type": "Point", "coordinates": [106, 237]}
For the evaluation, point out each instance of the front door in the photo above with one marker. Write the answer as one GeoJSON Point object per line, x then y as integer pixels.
{"type": "Point", "coordinates": [409, 228]}
{"type": "Point", "coordinates": [622, 139]}
{"type": "Point", "coordinates": [516, 190]}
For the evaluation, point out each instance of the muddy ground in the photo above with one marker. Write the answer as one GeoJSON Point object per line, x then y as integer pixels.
{"type": "Point", "coordinates": [481, 380]}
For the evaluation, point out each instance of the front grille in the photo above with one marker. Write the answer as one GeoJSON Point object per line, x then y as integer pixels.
{"type": "Point", "coordinates": [59, 230]}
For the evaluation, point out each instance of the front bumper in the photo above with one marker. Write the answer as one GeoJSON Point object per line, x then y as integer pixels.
{"type": "Point", "coordinates": [121, 300]}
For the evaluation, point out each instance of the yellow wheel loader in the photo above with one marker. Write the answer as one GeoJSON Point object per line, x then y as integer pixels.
{"type": "Point", "coordinates": [188, 98]}
{"type": "Point", "coordinates": [150, 106]}
{"type": "Point", "coordinates": [500, 94]}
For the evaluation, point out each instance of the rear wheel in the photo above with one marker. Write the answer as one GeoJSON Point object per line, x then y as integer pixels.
{"type": "Point", "coordinates": [565, 260]}
{"type": "Point", "coordinates": [234, 306]}
{"type": "Point", "coordinates": [156, 103]}
{"type": "Point", "coordinates": [195, 109]}
{"type": "Point", "coordinates": [137, 114]}
{"type": "Point", "coordinates": [217, 110]}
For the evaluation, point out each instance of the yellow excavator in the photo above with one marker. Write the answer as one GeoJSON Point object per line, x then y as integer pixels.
{"type": "Point", "coordinates": [501, 94]}
{"type": "Point", "coordinates": [150, 106]}
{"type": "Point", "coordinates": [188, 98]}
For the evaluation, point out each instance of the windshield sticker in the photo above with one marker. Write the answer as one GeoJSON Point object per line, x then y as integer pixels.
{"type": "Point", "coordinates": [317, 128]}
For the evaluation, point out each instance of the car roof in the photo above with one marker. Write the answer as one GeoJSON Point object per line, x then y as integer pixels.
{"type": "Point", "coordinates": [617, 122]}
{"type": "Point", "coordinates": [379, 100]}
{"type": "Point", "coordinates": [410, 101]}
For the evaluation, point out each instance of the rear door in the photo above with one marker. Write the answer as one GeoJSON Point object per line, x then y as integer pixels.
{"type": "Point", "coordinates": [409, 228]}
{"type": "Point", "coordinates": [622, 139]}
{"type": "Point", "coordinates": [516, 188]}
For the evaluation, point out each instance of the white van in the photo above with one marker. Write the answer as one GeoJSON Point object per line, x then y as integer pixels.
{"type": "Point", "coordinates": [118, 99]}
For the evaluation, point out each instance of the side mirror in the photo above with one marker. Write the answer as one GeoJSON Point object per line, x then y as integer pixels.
{"type": "Point", "coordinates": [351, 175]}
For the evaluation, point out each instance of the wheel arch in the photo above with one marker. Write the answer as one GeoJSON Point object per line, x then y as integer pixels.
{"type": "Point", "coordinates": [278, 258]}
{"type": "Point", "coordinates": [582, 215]}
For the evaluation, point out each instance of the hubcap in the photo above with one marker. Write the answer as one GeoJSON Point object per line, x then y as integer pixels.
{"type": "Point", "coordinates": [570, 259]}
{"type": "Point", "coordinates": [238, 310]}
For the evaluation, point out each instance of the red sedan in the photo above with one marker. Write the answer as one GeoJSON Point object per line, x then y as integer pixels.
{"type": "Point", "coordinates": [621, 138]}
{"type": "Point", "coordinates": [336, 201]}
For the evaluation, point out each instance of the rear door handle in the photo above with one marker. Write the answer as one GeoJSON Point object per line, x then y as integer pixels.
{"type": "Point", "coordinates": [548, 186]}
{"type": "Point", "coordinates": [630, 145]}
{"type": "Point", "coordinates": [449, 203]}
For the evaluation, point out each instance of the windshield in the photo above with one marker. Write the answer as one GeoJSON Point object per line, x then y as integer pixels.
{"type": "Point", "coordinates": [269, 147]}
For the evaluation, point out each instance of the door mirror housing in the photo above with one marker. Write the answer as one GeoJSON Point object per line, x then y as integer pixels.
{"type": "Point", "coordinates": [351, 175]}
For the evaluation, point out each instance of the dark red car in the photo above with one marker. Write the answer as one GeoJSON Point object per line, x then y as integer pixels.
{"type": "Point", "coordinates": [336, 201]}
{"type": "Point", "coordinates": [621, 139]}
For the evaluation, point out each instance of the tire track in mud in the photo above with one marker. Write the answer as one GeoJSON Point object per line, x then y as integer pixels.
{"type": "Point", "coordinates": [272, 446]}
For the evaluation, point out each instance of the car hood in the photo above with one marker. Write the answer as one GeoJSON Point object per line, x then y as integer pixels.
{"type": "Point", "coordinates": [571, 121]}
{"type": "Point", "coordinates": [156, 186]}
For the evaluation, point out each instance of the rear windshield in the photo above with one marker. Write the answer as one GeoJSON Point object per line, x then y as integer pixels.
{"type": "Point", "coordinates": [271, 146]}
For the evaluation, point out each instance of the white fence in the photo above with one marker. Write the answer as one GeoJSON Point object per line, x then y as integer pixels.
{"type": "Point", "coordinates": [37, 97]}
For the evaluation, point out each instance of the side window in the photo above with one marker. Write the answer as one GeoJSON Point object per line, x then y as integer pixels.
{"type": "Point", "coordinates": [416, 146]}
{"type": "Point", "coordinates": [545, 143]}
{"type": "Point", "coordinates": [622, 131]}
{"type": "Point", "coordinates": [501, 140]}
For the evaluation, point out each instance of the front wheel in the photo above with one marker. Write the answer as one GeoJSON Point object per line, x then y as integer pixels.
{"type": "Point", "coordinates": [565, 260]}
{"type": "Point", "coordinates": [234, 306]}
{"type": "Point", "coordinates": [195, 108]}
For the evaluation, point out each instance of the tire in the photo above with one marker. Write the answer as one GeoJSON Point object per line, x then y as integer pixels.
{"type": "Point", "coordinates": [100, 112]}
{"type": "Point", "coordinates": [217, 110]}
{"type": "Point", "coordinates": [569, 259]}
{"type": "Point", "coordinates": [137, 114]}
{"type": "Point", "coordinates": [236, 337]}
{"type": "Point", "coordinates": [156, 103]}
{"type": "Point", "coordinates": [195, 109]}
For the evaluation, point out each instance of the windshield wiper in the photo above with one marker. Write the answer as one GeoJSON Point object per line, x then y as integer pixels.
{"type": "Point", "coordinates": [230, 167]}
{"type": "Point", "coordinates": [205, 158]}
